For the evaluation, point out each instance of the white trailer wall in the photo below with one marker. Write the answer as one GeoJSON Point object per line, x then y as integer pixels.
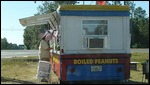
{"type": "Point", "coordinates": [72, 37]}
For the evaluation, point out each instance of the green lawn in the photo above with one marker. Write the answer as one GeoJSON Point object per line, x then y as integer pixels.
{"type": "Point", "coordinates": [22, 70]}
{"type": "Point", "coordinates": [18, 70]}
{"type": "Point", "coordinates": [136, 75]}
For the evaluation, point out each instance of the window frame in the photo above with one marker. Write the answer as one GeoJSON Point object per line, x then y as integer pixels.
{"type": "Point", "coordinates": [85, 38]}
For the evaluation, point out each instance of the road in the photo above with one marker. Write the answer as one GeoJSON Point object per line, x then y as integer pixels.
{"type": "Point", "coordinates": [23, 53]}
{"type": "Point", "coordinates": [18, 53]}
{"type": "Point", "coordinates": [140, 50]}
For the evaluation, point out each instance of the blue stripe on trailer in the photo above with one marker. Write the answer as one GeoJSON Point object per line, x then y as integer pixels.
{"type": "Point", "coordinates": [108, 72]}
{"type": "Point", "coordinates": [93, 13]}
{"type": "Point", "coordinates": [95, 7]}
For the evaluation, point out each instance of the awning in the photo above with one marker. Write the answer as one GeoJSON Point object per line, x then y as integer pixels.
{"type": "Point", "coordinates": [52, 18]}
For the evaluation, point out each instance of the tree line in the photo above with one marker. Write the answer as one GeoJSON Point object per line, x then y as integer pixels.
{"type": "Point", "coordinates": [10, 46]}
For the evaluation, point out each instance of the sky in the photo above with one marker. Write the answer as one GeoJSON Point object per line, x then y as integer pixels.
{"type": "Point", "coordinates": [12, 11]}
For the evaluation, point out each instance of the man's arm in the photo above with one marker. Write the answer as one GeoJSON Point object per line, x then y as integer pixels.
{"type": "Point", "coordinates": [49, 49]}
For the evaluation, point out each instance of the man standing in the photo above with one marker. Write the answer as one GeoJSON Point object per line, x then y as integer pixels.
{"type": "Point", "coordinates": [44, 54]}
{"type": "Point", "coordinates": [44, 49]}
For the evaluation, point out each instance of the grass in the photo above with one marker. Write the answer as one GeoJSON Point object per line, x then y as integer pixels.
{"type": "Point", "coordinates": [19, 70]}
{"type": "Point", "coordinates": [22, 70]}
{"type": "Point", "coordinates": [139, 57]}
{"type": "Point", "coordinates": [137, 75]}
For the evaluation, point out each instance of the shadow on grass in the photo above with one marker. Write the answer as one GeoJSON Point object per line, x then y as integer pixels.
{"type": "Point", "coordinates": [21, 59]}
{"type": "Point", "coordinates": [26, 60]}
{"type": "Point", "coordinates": [31, 60]}
{"type": "Point", "coordinates": [4, 79]}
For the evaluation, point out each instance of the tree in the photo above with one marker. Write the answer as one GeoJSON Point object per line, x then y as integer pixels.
{"type": "Point", "coordinates": [46, 7]}
{"type": "Point", "coordinates": [116, 3]}
{"type": "Point", "coordinates": [31, 33]}
{"type": "Point", "coordinates": [107, 3]}
{"type": "Point", "coordinates": [12, 46]}
{"type": "Point", "coordinates": [139, 13]}
{"type": "Point", "coordinates": [65, 2]}
{"type": "Point", "coordinates": [131, 6]}
{"type": "Point", "coordinates": [140, 28]}
{"type": "Point", "coordinates": [37, 30]}
{"type": "Point", "coordinates": [4, 43]}
{"type": "Point", "coordinates": [126, 2]}
{"type": "Point", "coordinates": [139, 24]}
{"type": "Point", "coordinates": [50, 6]}
{"type": "Point", "coordinates": [28, 37]}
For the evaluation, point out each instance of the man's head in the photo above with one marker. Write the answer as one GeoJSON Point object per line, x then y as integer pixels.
{"type": "Point", "coordinates": [48, 35]}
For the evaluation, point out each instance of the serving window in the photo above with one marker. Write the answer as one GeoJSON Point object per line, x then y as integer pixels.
{"type": "Point", "coordinates": [95, 33]}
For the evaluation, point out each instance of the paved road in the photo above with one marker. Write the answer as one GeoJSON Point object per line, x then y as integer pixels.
{"type": "Point", "coordinates": [18, 53]}
{"type": "Point", "coordinates": [22, 53]}
{"type": "Point", "coordinates": [140, 50]}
